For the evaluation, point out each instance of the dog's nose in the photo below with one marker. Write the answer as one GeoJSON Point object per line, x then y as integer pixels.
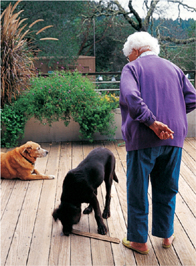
{"type": "Point", "coordinates": [46, 152]}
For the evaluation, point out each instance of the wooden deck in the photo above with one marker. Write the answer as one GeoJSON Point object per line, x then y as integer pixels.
{"type": "Point", "coordinates": [29, 236]}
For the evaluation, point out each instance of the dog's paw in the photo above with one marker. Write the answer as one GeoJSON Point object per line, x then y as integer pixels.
{"type": "Point", "coordinates": [106, 214]}
{"type": "Point", "coordinates": [102, 230]}
{"type": "Point", "coordinates": [51, 177]}
{"type": "Point", "coordinates": [87, 210]}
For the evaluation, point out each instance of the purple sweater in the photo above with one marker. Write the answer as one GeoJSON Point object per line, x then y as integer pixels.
{"type": "Point", "coordinates": [153, 88]}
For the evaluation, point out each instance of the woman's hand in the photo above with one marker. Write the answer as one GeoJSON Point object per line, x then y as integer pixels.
{"type": "Point", "coordinates": [162, 130]}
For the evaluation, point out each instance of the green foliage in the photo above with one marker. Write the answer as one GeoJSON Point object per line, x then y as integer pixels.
{"type": "Point", "coordinates": [13, 123]}
{"type": "Point", "coordinates": [112, 99]}
{"type": "Point", "coordinates": [60, 96]}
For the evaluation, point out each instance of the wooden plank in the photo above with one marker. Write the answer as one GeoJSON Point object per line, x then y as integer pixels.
{"type": "Point", "coordinates": [188, 195]}
{"type": "Point", "coordinates": [80, 247]}
{"type": "Point", "coordinates": [186, 218]}
{"type": "Point", "coordinates": [10, 218]}
{"type": "Point", "coordinates": [189, 149]}
{"type": "Point", "coordinates": [121, 173]}
{"type": "Point", "coordinates": [96, 236]}
{"type": "Point", "coordinates": [60, 244]}
{"type": "Point", "coordinates": [18, 253]}
{"type": "Point", "coordinates": [101, 250]}
{"type": "Point", "coordinates": [40, 245]}
{"type": "Point", "coordinates": [7, 187]}
{"type": "Point", "coordinates": [192, 141]}
{"type": "Point", "coordinates": [182, 245]}
{"type": "Point", "coordinates": [189, 161]}
{"type": "Point", "coordinates": [188, 176]}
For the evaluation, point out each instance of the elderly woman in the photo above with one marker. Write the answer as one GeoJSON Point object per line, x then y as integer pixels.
{"type": "Point", "coordinates": [155, 96]}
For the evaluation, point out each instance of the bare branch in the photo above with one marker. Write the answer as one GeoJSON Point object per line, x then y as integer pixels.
{"type": "Point", "coordinates": [150, 12]}
{"type": "Point", "coordinates": [136, 26]}
{"type": "Point", "coordinates": [177, 41]}
{"type": "Point", "coordinates": [133, 11]}
{"type": "Point", "coordinates": [180, 3]}
{"type": "Point", "coordinates": [113, 8]}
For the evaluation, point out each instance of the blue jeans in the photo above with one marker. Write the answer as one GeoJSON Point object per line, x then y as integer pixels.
{"type": "Point", "coordinates": [162, 164]}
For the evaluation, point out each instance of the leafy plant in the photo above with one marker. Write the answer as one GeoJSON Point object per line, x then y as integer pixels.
{"type": "Point", "coordinates": [61, 96]}
{"type": "Point", "coordinates": [16, 57]}
{"type": "Point", "coordinates": [13, 123]}
{"type": "Point", "coordinates": [112, 99]}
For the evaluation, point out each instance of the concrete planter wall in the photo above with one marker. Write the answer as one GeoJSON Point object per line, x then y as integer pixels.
{"type": "Point", "coordinates": [37, 132]}
{"type": "Point", "coordinates": [191, 117]}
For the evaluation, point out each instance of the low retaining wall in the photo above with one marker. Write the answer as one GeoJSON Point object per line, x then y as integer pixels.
{"type": "Point", "coordinates": [37, 132]}
{"type": "Point", "coordinates": [191, 117]}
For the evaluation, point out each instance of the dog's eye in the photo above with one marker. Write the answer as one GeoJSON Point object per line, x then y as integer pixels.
{"type": "Point", "coordinates": [38, 148]}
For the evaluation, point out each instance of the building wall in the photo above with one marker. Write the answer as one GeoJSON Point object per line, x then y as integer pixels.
{"type": "Point", "coordinates": [84, 64]}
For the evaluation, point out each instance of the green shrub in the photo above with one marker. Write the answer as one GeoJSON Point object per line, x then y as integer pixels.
{"type": "Point", "coordinates": [13, 123]}
{"type": "Point", "coordinates": [60, 96]}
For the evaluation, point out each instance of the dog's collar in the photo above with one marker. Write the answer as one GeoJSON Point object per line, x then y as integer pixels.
{"type": "Point", "coordinates": [26, 159]}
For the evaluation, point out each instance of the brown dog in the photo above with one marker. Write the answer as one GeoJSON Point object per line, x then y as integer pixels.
{"type": "Point", "coordinates": [19, 163]}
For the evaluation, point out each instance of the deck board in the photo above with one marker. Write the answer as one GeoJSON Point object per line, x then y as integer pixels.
{"type": "Point", "coordinates": [29, 235]}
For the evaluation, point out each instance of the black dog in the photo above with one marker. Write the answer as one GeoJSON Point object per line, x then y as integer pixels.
{"type": "Point", "coordinates": [80, 185]}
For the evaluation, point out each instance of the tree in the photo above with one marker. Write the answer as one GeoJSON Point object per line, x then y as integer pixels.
{"type": "Point", "coordinates": [167, 38]}
{"type": "Point", "coordinates": [73, 24]}
{"type": "Point", "coordinates": [114, 8]}
{"type": "Point", "coordinates": [109, 33]}
{"type": "Point", "coordinates": [180, 54]}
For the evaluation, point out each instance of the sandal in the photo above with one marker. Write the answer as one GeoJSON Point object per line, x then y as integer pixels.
{"type": "Point", "coordinates": [127, 244]}
{"type": "Point", "coordinates": [168, 246]}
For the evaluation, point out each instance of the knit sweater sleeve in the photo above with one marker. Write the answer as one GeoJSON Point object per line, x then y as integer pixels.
{"type": "Point", "coordinates": [131, 97]}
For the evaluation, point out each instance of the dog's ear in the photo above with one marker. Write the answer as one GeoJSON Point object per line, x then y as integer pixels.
{"type": "Point", "coordinates": [26, 147]}
{"type": "Point", "coordinates": [55, 214]}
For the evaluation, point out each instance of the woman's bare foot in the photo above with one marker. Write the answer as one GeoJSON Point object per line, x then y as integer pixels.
{"type": "Point", "coordinates": [139, 246]}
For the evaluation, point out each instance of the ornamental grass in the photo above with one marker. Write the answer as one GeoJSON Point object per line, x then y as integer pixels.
{"type": "Point", "coordinates": [16, 53]}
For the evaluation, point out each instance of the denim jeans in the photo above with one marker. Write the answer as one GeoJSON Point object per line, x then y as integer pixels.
{"type": "Point", "coordinates": [162, 165]}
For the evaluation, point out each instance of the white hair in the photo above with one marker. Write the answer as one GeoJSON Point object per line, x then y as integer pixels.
{"type": "Point", "coordinates": [141, 40]}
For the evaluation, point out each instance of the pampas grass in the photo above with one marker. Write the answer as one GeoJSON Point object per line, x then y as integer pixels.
{"type": "Point", "coordinates": [16, 56]}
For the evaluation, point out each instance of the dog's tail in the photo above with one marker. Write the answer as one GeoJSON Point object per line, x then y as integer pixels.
{"type": "Point", "coordinates": [115, 177]}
